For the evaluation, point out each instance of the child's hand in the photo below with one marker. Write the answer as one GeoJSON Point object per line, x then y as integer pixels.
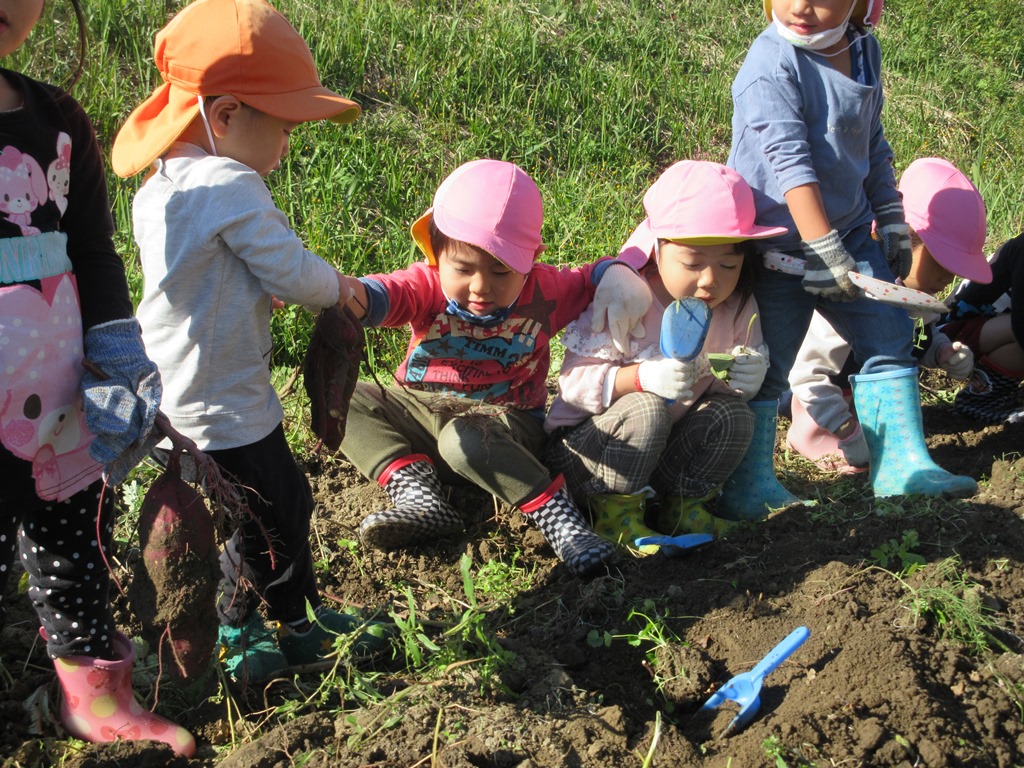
{"type": "Point", "coordinates": [121, 393]}
{"type": "Point", "coordinates": [953, 357]}
{"type": "Point", "coordinates": [747, 371]}
{"type": "Point", "coordinates": [622, 300]}
{"type": "Point", "coordinates": [670, 378]}
{"type": "Point", "coordinates": [894, 234]}
{"type": "Point", "coordinates": [828, 263]}
{"type": "Point", "coordinates": [276, 303]}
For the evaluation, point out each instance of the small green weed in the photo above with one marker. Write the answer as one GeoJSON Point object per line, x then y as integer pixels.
{"type": "Point", "coordinates": [952, 602]}
{"type": "Point", "coordinates": [782, 756]}
{"type": "Point", "coordinates": [901, 552]}
{"type": "Point", "coordinates": [652, 635]}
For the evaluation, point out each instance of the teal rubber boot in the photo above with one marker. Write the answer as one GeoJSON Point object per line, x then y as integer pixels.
{"type": "Point", "coordinates": [250, 653]}
{"type": "Point", "coordinates": [752, 491]}
{"type": "Point", "coordinates": [364, 639]}
{"type": "Point", "coordinates": [889, 408]}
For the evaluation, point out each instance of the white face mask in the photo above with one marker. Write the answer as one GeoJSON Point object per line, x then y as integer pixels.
{"type": "Point", "coordinates": [819, 40]}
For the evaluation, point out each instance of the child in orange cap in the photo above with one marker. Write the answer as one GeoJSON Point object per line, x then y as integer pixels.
{"type": "Point", "coordinates": [947, 222]}
{"type": "Point", "coordinates": [64, 297]}
{"type": "Point", "coordinates": [628, 426]}
{"type": "Point", "coordinates": [470, 395]}
{"type": "Point", "coordinates": [215, 250]}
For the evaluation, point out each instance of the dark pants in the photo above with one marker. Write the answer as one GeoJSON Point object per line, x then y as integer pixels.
{"type": "Point", "coordinates": [268, 557]}
{"type": "Point", "coordinates": [68, 576]}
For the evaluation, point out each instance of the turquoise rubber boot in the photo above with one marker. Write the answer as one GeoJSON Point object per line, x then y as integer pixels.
{"type": "Point", "coordinates": [752, 491]}
{"type": "Point", "coordinates": [889, 408]}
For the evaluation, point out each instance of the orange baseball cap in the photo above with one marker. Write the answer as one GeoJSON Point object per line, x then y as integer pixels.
{"type": "Point", "coordinates": [242, 48]}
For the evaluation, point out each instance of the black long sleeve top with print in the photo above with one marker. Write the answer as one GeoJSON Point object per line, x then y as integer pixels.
{"type": "Point", "coordinates": [972, 299]}
{"type": "Point", "coordinates": [52, 134]}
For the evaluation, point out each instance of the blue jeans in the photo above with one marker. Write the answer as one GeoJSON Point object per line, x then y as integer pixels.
{"type": "Point", "coordinates": [881, 336]}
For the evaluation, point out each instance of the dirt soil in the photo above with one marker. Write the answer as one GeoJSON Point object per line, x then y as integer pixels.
{"type": "Point", "coordinates": [612, 670]}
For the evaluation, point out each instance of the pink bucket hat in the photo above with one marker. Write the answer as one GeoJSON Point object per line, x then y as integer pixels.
{"type": "Point", "coordinates": [699, 203]}
{"type": "Point", "coordinates": [946, 211]}
{"type": "Point", "coordinates": [491, 204]}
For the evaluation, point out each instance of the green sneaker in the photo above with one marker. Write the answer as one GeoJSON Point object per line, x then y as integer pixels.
{"type": "Point", "coordinates": [318, 642]}
{"type": "Point", "coordinates": [250, 653]}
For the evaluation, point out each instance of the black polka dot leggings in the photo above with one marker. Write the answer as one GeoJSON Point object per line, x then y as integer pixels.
{"type": "Point", "coordinates": [59, 542]}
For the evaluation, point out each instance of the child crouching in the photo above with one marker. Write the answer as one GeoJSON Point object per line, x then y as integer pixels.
{"type": "Point", "coordinates": [470, 394]}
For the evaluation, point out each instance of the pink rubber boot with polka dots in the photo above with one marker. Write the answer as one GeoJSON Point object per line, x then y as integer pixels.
{"type": "Point", "coordinates": [99, 705]}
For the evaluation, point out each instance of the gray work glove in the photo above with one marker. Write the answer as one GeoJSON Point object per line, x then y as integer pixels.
{"type": "Point", "coordinates": [121, 396]}
{"type": "Point", "coordinates": [894, 234]}
{"type": "Point", "coordinates": [827, 265]}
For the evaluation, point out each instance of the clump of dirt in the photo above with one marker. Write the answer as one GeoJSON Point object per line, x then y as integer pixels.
{"type": "Point", "coordinates": [606, 671]}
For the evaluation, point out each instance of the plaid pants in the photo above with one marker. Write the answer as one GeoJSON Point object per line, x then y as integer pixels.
{"type": "Point", "coordinates": [634, 444]}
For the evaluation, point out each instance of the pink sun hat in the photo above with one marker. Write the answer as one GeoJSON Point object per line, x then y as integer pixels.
{"type": "Point", "coordinates": [947, 212]}
{"type": "Point", "coordinates": [491, 204]}
{"type": "Point", "coordinates": [697, 203]}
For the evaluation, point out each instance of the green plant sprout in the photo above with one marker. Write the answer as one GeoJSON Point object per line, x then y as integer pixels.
{"type": "Point", "coordinates": [893, 551]}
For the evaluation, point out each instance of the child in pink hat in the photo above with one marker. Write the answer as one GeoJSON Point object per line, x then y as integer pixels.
{"type": "Point", "coordinates": [634, 424]}
{"type": "Point", "coordinates": [947, 220]}
{"type": "Point", "coordinates": [807, 136]}
{"type": "Point", "coordinates": [468, 404]}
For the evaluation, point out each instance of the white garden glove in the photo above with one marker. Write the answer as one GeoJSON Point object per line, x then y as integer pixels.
{"type": "Point", "coordinates": [892, 229]}
{"type": "Point", "coordinates": [855, 448]}
{"type": "Point", "coordinates": [827, 265]}
{"type": "Point", "coordinates": [953, 357]}
{"type": "Point", "coordinates": [622, 300]}
{"type": "Point", "coordinates": [670, 378]}
{"type": "Point", "coordinates": [747, 372]}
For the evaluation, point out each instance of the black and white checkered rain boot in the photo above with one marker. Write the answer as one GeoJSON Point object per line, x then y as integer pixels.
{"type": "Point", "coordinates": [420, 511]}
{"type": "Point", "coordinates": [564, 528]}
{"type": "Point", "coordinates": [991, 395]}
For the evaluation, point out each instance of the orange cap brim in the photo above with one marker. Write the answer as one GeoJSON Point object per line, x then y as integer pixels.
{"type": "Point", "coordinates": [155, 125]}
{"type": "Point", "coordinates": [420, 231]}
{"type": "Point", "coordinates": [151, 128]}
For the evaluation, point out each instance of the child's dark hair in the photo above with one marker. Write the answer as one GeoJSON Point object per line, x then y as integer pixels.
{"type": "Point", "coordinates": [745, 285]}
{"type": "Point", "coordinates": [439, 241]}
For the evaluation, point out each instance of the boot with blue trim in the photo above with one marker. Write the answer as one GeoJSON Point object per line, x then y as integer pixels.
{"type": "Point", "coordinates": [889, 407]}
{"type": "Point", "coordinates": [250, 653]}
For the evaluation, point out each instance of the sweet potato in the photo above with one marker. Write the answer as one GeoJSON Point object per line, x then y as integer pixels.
{"type": "Point", "coordinates": [330, 372]}
{"type": "Point", "coordinates": [174, 589]}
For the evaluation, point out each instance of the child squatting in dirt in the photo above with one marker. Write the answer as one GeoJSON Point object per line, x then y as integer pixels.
{"type": "Point", "coordinates": [630, 425]}
{"type": "Point", "coordinates": [470, 394]}
{"type": "Point", "coordinates": [215, 251]}
{"type": "Point", "coordinates": [947, 220]}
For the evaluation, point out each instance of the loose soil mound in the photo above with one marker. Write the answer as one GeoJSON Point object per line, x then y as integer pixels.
{"type": "Point", "coordinates": [899, 669]}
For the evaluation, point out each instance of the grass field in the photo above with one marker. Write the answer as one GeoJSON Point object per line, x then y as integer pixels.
{"type": "Point", "coordinates": [592, 98]}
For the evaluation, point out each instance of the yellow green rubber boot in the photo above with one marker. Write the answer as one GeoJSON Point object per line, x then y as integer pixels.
{"type": "Point", "coordinates": [678, 515]}
{"type": "Point", "coordinates": [619, 517]}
